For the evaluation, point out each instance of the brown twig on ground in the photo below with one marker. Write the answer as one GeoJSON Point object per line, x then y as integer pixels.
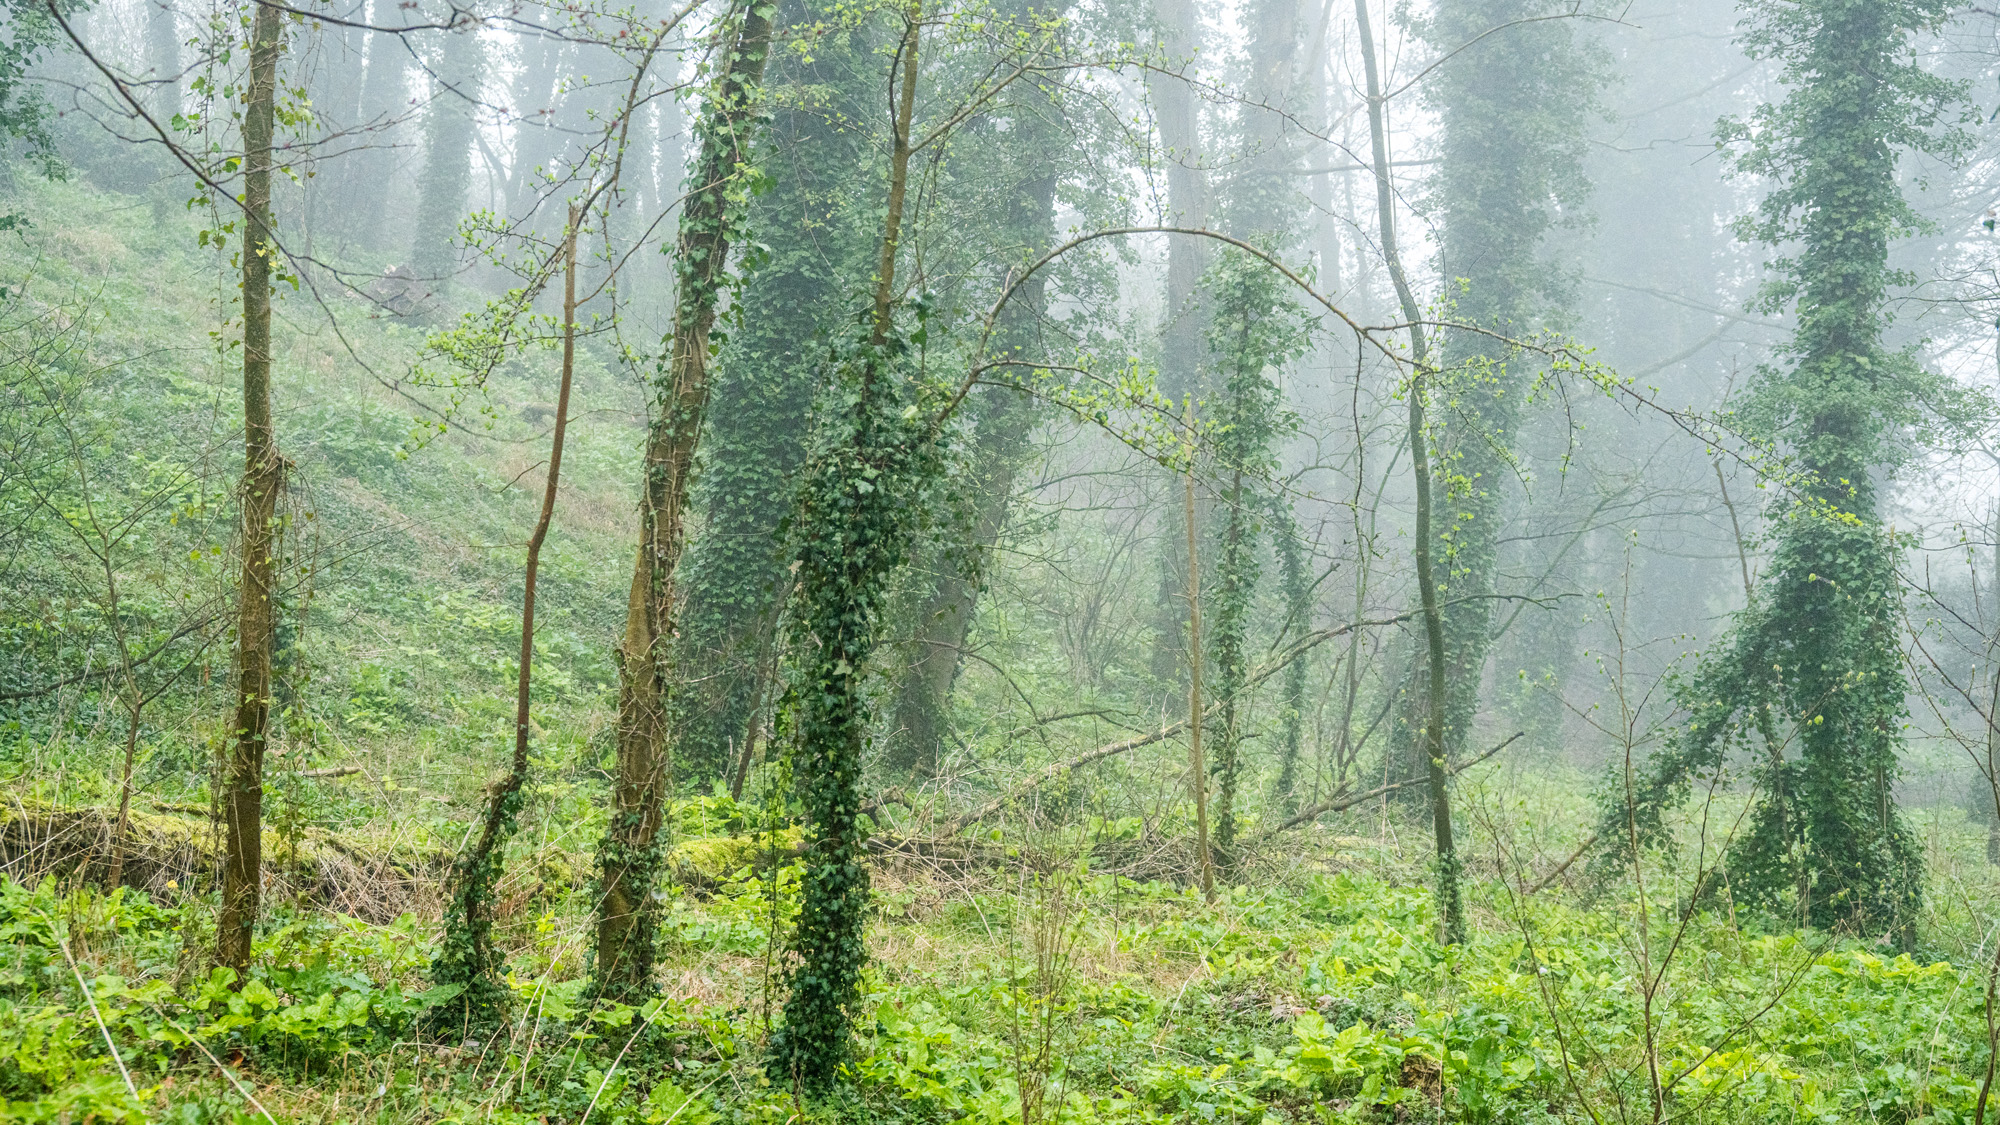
{"type": "Point", "coordinates": [1564, 865]}
{"type": "Point", "coordinates": [1343, 801]}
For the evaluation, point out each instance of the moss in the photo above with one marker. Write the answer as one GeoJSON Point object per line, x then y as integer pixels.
{"type": "Point", "coordinates": [712, 860]}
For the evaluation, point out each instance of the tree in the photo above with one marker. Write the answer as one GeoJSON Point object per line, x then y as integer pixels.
{"type": "Point", "coordinates": [449, 125]}
{"type": "Point", "coordinates": [466, 957]}
{"type": "Point", "coordinates": [26, 116]}
{"type": "Point", "coordinates": [1811, 676]}
{"type": "Point", "coordinates": [710, 224]}
{"type": "Point", "coordinates": [1510, 95]}
{"type": "Point", "coordinates": [1451, 901]}
{"type": "Point", "coordinates": [1256, 328]}
{"type": "Point", "coordinates": [1178, 113]}
{"type": "Point", "coordinates": [263, 479]}
{"type": "Point", "coordinates": [867, 467]}
{"type": "Point", "coordinates": [1002, 418]}
{"type": "Point", "coordinates": [811, 218]}
{"type": "Point", "coordinates": [370, 173]}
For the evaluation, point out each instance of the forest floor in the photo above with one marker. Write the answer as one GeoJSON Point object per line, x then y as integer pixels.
{"type": "Point", "coordinates": [1013, 981]}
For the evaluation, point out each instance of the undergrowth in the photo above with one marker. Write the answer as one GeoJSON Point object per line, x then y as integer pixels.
{"type": "Point", "coordinates": [994, 996]}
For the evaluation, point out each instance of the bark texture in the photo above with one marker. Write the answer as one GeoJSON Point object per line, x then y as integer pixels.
{"type": "Point", "coordinates": [263, 479]}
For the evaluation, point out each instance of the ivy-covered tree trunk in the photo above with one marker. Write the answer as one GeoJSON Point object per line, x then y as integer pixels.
{"type": "Point", "coordinates": [628, 859]}
{"type": "Point", "coordinates": [1004, 419]}
{"type": "Point", "coordinates": [1813, 668]}
{"type": "Point", "coordinates": [1510, 100]}
{"type": "Point", "coordinates": [448, 138]}
{"type": "Point", "coordinates": [1295, 584]}
{"type": "Point", "coordinates": [821, 249]}
{"type": "Point", "coordinates": [1236, 568]}
{"type": "Point", "coordinates": [1256, 329]}
{"type": "Point", "coordinates": [263, 479]}
{"type": "Point", "coordinates": [853, 530]}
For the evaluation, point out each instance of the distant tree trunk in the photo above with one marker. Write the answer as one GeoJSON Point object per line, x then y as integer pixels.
{"type": "Point", "coordinates": [1236, 571]}
{"type": "Point", "coordinates": [323, 188]}
{"type": "Point", "coordinates": [1187, 193]}
{"type": "Point", "coordinates": [822, 249]}
{"type": "Point", "coordinates": [448, 141]}
{"type": "Point", "coordinates": [1265, 195]}
{"type": "Point", "coordinates": [1296, 584]}
{"type": "Point", "coordinates": [1004, 421]}
{"type": "Point", "coordinates": [371, 174]}
{"type": "Point", "coordinates": [709, 225]}
{"type": "Point", "coordinates": [263, 478]}
{"type": "Point", "coordinates": [1511, 110]}
{"type": "Point", "coordinates": [1197, 765]}
{"type": "Point", "coordinates": [539, 101]}
{"type": "Point", "coordinates": [163, 58]}
{"type": "Point", "coordinates": [1182, 334]}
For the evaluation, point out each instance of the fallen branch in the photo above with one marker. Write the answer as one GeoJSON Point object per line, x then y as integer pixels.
{"type": "Point", "coordinates": [1340, 802]}
{"type": "Point", "coordinates": [1051, 772]}
{"type": "Point", "coordinates": [1564, 865]}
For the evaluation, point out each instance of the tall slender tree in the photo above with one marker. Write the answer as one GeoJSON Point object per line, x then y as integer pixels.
{"type": "Point", "coordinates": [263, 479]}
{"type": "Point", "coordinates": [457, 71]}
{"type": "Point", "coordinates": [163, 58]}
{"type": "Point", "coordinates": [710, 226]}
{"type": "Point", "coordinates": [371, 173]}
{"type": "Point", "coordinates": [1811, 677]}
{"type": "Point", "coordinates": [1177, 25]}
{"type": "Point", "coordinates": [1450, 897]}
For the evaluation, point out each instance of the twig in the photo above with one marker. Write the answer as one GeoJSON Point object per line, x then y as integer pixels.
{"type": "Point", "coordinates": [95, 1014]}
{"type": "Point", "coordinates": [332, 771]}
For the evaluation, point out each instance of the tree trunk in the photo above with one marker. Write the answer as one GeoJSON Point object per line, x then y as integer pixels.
{"type": "Point", "coordinates": [822, 240]}
{"type": "Point", "coordinates": [709, 221]}
{"type": "Point", "coordinates": [163, 58]}
{"type": "Point", "coordinates": [371, 172]}
{"type": "Point", "coordinates": [1196, 765]}
{"type": "Point", "coordinates": [1005, 420]}
{"type": "Point", "coordinates": [1451, 903]}
{"type": "Point", "coordinates": [467, 957]}
{"type": "Point", "coordinates": [853, 531]}
{"type": "Point", "coordinates": [263, 479]}
{"type": "Point", "coordinates": [448, 141]}
{"type": "Point", "coordinates": [1182, 336]}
